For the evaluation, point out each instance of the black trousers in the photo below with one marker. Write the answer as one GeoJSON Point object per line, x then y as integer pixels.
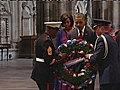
{"type": "Point", "coordinates": [114, 86]}
{"type": "Point", "coordinates": [45, 86]}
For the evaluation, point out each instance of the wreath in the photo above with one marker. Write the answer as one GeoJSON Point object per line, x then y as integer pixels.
{"type": "Point", "coordinates": [75, 51]}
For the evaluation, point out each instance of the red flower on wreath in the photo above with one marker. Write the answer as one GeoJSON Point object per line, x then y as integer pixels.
{"type": "Point", "coordinates": [72, 73]}
{"type": "Point", "coordinates": [88, 44]}
{"type": "Point", "coordinates": [76, 87]}
{"type": "Point", "coordinates": [79, 40]}
{"type": "Point", "coordinates": [67, 71]}
{"type": "Point", "coordinates": [87, 65]}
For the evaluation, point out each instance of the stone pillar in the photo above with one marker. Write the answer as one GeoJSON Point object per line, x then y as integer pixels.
{"type": "Point", "coordinates": [46, 10]}
{"type": "Point", "coordinates": [60, 9]}
{"type": "Point", "coordinates": [63, 7]}
{"type": "Point", "coordinates": [69, 7]}
{"type": "Point", "coordinates": [104, 7]}
{"type": "Point", "coordinates": [40, 27]}
{"type": "Point", "coordinates": [19, 18]}
{"type": "Point", "coordinates": [89, 13]}
{"type": "Point", "coordinates": [115, 14]}
{"type": "Point", "coordinates": [14, 26]}
{"type": "Point", "coordinates": [73, 3]}
{"type": "Point", "coordinates": [34, 21]}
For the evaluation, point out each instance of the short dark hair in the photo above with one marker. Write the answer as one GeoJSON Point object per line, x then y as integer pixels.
{"type": "Point", "coordinates": [80, 15]}
{"type": "Point", "coordinates": [55, 28]}
{"type": "Point", "coordinates": [65, 16]}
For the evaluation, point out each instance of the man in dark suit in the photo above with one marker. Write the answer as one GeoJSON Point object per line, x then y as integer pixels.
{"type": "Point", "coordinates": [82, 31]}
{"type": "Point", "coordinates": [106, 56]}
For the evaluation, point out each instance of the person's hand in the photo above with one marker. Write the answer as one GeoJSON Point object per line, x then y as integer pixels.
{"type": "Point", "coordinates": [87, 56]}
{"type": "Point", "coordinates": [87, 60]}
{"type": "Point", "coordinates": [63, 55]}
{"type": "Point", "coordinates": [53, 61]}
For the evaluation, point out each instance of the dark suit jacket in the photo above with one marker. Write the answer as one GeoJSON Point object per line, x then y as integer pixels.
{"type": "Point", "coordinates": [108, 68]}
{"type": "Point", "coordinates": [89, 35]}
{"type": "Point", "coordinates": [118, 42]}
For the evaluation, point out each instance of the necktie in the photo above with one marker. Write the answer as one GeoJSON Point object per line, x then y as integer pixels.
{"type": "Point", "coordinates": [80, 33]}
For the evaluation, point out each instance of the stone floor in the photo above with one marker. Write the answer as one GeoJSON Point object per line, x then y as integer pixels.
{"type": "Point", "coordinates": [15, 75]}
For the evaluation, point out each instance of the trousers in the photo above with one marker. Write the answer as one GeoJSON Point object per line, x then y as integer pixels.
{"type": "Point", "coordinates": [45, 86]}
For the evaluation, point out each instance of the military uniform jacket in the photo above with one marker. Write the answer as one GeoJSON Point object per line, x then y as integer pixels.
{"type": "Point", "coordinates": [42, 71]}
{"type": "Point", "coordinates": [109, 71]}
{"type": "Point", "coordinates": [118, 42]}
{"type": "Point", "coordinates": [88, 35]}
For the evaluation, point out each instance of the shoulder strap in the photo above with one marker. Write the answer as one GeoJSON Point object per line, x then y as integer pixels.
{"type": "Point", "coordinates": [106, 46]}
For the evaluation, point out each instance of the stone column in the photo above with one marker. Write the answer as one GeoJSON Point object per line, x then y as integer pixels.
{"type": "Point", "coordinates": [19, 18]}
{"type": "Point", "coordinates": [63, 6]}
{"type": "Point", "coordinates": [40, 18]}
{"type": "Point", "coordinates": [115, 14]}
{"type": "Point", "coordinates": [73, 3]}
{"type": "Point", "coordinates": [46, 10]}
{"type": "Point", "coordinates": [89, 13]}
{"type": "Point", "coordinates": [104, 8]}
{"type": "Point", "coordinates": [14, 27]}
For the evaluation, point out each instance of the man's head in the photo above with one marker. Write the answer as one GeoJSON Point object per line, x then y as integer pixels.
{"type": "Point", "coordinates": [100, 26]}
{"type": "Point", "coordinates": [52, 28]}
{"type": "Point", "coordinates": [80, 20]}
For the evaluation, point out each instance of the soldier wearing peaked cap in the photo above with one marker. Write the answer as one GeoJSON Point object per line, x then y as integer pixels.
{"type": "Point", "coordinates": [45, 57]}
{"type": "Point", "coordinates": [106, 56]}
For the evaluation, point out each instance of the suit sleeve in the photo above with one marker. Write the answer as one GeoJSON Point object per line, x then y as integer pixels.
{"type": "Point", "coordinates": [58, 37]}
{"type": "Point", "coordinates": [99, 52]}
{"type": "Point", "coordinates": [72, 35]}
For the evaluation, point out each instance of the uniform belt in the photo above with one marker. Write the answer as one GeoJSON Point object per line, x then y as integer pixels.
{"type": "Point", "coordinates": [40, 60]}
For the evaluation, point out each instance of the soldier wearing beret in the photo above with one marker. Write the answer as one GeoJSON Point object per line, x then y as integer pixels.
{"type": "Point", "coordinates": [106, 56]}
{"type": "Point", "coordinates": [42, 73]}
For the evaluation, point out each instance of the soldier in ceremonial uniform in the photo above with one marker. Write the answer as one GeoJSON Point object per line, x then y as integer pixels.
{"type": "Point", "coordinates": [45, 57]}
{"type": "Point", "coordinates": [106, 56]}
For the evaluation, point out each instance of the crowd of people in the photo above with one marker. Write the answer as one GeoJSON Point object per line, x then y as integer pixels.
{"type": "Point", "coordinates": [106, 52]}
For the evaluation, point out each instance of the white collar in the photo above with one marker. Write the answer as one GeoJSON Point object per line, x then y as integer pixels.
{"type": "Point", "coordinates": [98, 36]}
{"type": "Point", "coordinates": [82, 30]}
